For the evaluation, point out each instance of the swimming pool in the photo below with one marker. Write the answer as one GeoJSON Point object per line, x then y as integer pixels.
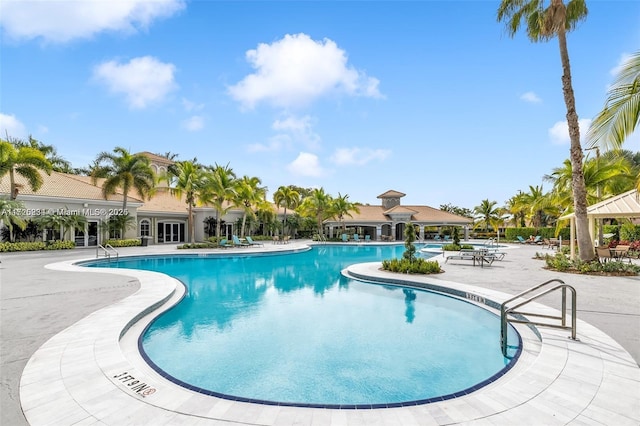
{"type": "Point", "coordinates": [289, 329]}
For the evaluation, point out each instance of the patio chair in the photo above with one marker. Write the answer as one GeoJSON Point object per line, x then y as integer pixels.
{"type": "Point", "coordinates": [356, 238]}
{"type": "Point", "coordinates": [604, 254]}
{"type": "Point", "coordinates": [276, 239]}
{"type": "Point", "coordinates": [224, 243]}
{"type": "Point", "coordinates": [345, 238]}
{"type": "Point", "coordinates": [621, 252]}
{"type": "Point", "coordinates": [253, 243]}
{"type": "Point", "coordinates": [367, 238]}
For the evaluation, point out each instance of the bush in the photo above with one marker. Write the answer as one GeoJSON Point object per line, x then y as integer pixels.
{"type": "Point", "coordinates": [418, 266]}
{"type": "Point", "coordinates": [37, 245]}
{"type": "Point", "coordinates": [562, 263]}
{"type": "Point", "coordinates": [131, 242]}
{"type": "Point", "coordinates": [199, 245]}
{"type": "Point", "coordinates": [456, 247]}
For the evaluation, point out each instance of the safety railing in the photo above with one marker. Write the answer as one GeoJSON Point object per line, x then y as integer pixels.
{"type": "Point", "coordinates": [107, 250]}
{"type": "Point", "coordinates": [521, 317]}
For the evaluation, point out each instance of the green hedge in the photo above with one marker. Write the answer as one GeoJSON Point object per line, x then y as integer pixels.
{"type": "Point", "coordinates": [36, 245]}
{"type": "Point", "coordinates": [511, 234]}
{"type": "Point", "coordinates": [130, 242]}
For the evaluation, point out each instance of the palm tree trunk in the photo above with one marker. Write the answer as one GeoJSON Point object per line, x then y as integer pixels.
{"type": "Point", "coordinates": [585, 245]}
{"type": "Point", "coordinates": [192, 228]}
{"type": "Point", "coordinates": [12, 180]}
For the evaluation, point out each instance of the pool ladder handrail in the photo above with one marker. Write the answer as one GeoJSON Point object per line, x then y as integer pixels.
{"type": "Point", "coordinates": [506, 311]}
{"type": "Point", "coordinates": [107, 250]}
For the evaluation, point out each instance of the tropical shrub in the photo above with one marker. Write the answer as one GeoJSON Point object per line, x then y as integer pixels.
{"type": "Point", "coordinates": [130, 242]}
{"type": "Point", "coordinates": [36, 245]}
{"type": "Point", "coordinates": [562, 263]}
{"type": "Point", "coordinates": [418, 266]}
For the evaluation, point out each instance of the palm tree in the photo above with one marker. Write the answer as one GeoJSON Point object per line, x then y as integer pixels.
{"type": "Point", "coordinates": [287, 197]}
{"type": "Point", "coordinates": [219, 189]}
{"type": "Point", "coordinates": [486, 213]}
{"type": "Point", "coordinates": [543, 24]}
{"type": "Point", "coordinates": [25, 161]}
{"type": "Point", "coordinates": [342, 207]}
{"type": "Point", "coordinates": [318, 206]}
{"type": "Point", "coordinates": [248, 194]}
{"type": "Point", "coordinates": [125, 171]}
{"type": "Point", "coordinates": [10, 215]}
{"type": "Point", "coordinates": [517, 207]}
{"type": "Point", "coordinates": [188, 180]}
{"type": "Point", "coordinates": [621, 113]}
{"type": "Point", "coordinates": [58, 163]}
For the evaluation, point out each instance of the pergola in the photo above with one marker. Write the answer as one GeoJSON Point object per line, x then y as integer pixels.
{"type": "Point", "coordinates": [625, 205]}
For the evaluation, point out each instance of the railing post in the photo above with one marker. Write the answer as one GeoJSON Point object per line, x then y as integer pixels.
{"type": "Point", "coordinates": [564, 306]}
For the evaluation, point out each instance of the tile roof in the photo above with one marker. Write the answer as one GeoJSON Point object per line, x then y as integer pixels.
{"type": "Point", "coordinates": [391, 194]}
{"type": "Point", "coordinates": [62, 185]}
{"type": "Point", "coordinates": [422, 214]}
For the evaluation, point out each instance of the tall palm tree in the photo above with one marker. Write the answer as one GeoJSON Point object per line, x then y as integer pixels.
{"type": "Point", "coordinates": [287, 197]}
{"type": "Point", "coordinates": [542, 24]}
{"type": "Point", "coordinates": [219, 189]}
{"type": "Point", "coordinates": [486, 214]}
{"type": "Point", "coordinates": [126, 171]}
{"type": "Point", "coordinates": [318, 206]}
{"type": "Point", "coordinates": [341, 207]}
{"type": "Point", "coordinates": [539, 205]}
{"type": "Point", "coordinates": [517, 208]}
{"type": "Point", "coordinates": [25, 161]}
{"type": "Point", "coordinates": [248, 194]}
{"type": "Point", "coordinates": [621, 113]}
{"type": "Point", "coordinates": [188, 180]}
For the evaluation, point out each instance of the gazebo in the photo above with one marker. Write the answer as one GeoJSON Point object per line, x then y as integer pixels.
{"type": "Point", "coordinates": [625, 205]}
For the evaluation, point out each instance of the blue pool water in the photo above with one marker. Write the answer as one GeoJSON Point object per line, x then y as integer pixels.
{"type": "Point", "coordinates": [288, 328]}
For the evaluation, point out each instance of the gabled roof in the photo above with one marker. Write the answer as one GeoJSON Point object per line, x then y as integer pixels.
{"type": "Point", "coordinates": [62, 185]}
{"type": "Point", "coordinates": [626, 204]}
{"type": "Point", "coordinates": [391, 194]}
{"type": "Point", "coordinates": [400, 210]}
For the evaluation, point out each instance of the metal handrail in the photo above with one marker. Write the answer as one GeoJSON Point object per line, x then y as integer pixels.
{"type": "Point", "coordinates": [504, 311]}
{"type": "Point", "coordinates": [108, 250]}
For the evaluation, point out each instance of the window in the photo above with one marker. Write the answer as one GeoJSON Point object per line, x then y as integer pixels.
{"type": "Point", "coordinates": [145, 228]}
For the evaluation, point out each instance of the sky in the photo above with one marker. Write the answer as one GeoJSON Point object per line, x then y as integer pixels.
{"type": "Point", "coordinates": [429, 98]}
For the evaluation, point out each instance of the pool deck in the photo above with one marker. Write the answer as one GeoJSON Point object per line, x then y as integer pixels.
{"type": "Point", "coordinates": [63, 343]}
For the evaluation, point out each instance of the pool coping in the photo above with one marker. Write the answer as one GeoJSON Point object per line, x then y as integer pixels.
{"type": "Point", "coordinates": [92, 373]}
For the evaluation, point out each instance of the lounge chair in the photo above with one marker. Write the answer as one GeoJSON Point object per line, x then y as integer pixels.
{"type": "Point", "coordinates": [253, 243]}
{"type": "Point", "coordinates": [356, 238]}
{"type": "Point", "coordinates": [224, 243]}
{"type": "Point", "coordinates": [537, 240]}
{"type": "Point", "coordinates": [447, 238]}
{"type": "Point", "coordinates": [276, 239]}
{"type": "Point", "coordinates": [367, 238]}
{"type": "Point", "coordinates": [345, 238]}
{"type": "Point", "coordinates": [521, 240]}
{"type": "Point", "coordinates": [238, 243]}
{"type": "Point", "coordinates": [436, 238]}
{"type": "Point", "coordinates": [285, 239]}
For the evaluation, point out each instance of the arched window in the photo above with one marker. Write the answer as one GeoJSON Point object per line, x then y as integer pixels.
{"type": "Point", "coordinates": [145, 228]}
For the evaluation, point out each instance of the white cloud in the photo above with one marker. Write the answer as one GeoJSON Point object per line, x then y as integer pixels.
{"type": "Point", "coordinates": [358, 156]}
{"type": "Point", "coordinates": [143, 80]}
{"type": "Point", "coordinates": [559, 132]}
{"type": "Point", "coordinates": [299, 129]}
{"type": "Point", "coordinates": [191, 106]}
{"type": "Point", "coordinates": [531, 97]}
{"type": "Point", "coordinates": [193, 123]}
{"type": "Point", "coordinates": [10, 125]}
{"type": "Point", "coordinates": [63, 21]}
{"type": "Point", "coordinates": [275, 143]}
{"type": "Point", "coordinates": [306, 164]}
{"type": "Point", "coordinates": [296, 70]}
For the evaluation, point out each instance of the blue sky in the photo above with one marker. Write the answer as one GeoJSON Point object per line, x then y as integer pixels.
{"type": "Point", "coordinates": [430, 98]}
